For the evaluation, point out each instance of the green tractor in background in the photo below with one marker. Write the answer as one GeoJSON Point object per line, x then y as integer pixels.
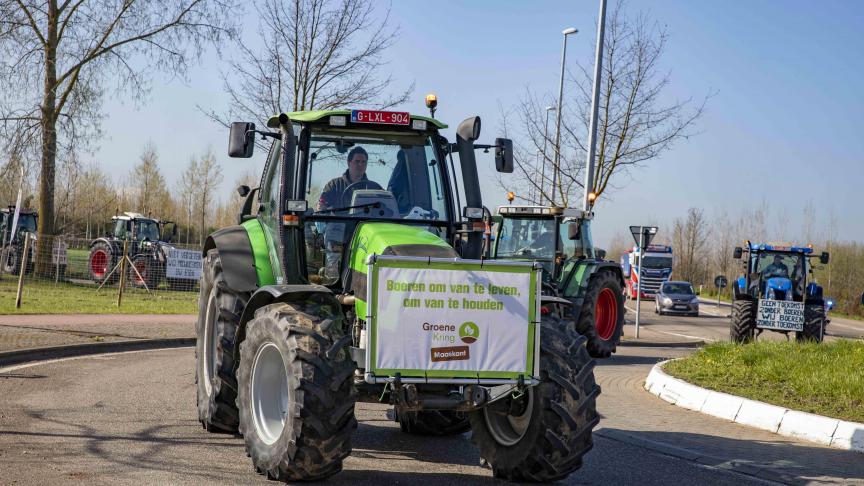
{"type": "Point", "coordinates": [582, 287]}
{"type": "Point", "coordinates": [369, 284]}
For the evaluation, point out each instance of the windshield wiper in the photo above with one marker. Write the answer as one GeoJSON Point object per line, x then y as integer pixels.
{"type": "Point", "coordinates": [376, 204]}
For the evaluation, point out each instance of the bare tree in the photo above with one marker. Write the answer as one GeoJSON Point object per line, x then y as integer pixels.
{"type": "Point", "coordinates": [64, 55]}
{"type": "Point", "coordinates": [634, 126]}
{"type": "Point", "coordinates": [200, 179]}
{"type": "Point", "coordinates": [316, 55]}
{"type": "Point", "coordinates": [689, 239]}
{"type": "Point", "coordinates": [151, 193]}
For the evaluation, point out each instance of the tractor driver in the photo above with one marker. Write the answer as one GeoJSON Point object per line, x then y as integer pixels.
{"type": "Point", "coordinates": [776, 269]}
{"type": "Point", "coordinates": [331, 196]}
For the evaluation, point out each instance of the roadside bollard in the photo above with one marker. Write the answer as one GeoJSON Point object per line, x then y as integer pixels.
{"type": "Point", "coordinates": [24, 261]}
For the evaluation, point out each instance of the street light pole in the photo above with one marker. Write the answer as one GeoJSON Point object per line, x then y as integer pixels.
{"type": "Point", "coordinates": [543, 171]}
{"type": "Point", "coordinates": [639, 280]}
{"type": "Point", "coordinates": [557, 164]}
{"type": "Point", "coordinates": [595, 102]}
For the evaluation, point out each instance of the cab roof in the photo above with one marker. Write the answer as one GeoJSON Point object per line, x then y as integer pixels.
{"type": "Point", "coordinates": [128, 215]}
{"type": "Point", "coordinates": [318, 115]}
{"type": "Point", "coordinates": [787, 247]}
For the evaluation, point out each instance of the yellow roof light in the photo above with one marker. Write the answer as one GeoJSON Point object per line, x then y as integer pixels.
{"type": "Point", "coordinates": [511, 196]}
{"type": "Point", "coordinates": [592, 197]}
{"type": "Point", "coordinates": [431, 100]}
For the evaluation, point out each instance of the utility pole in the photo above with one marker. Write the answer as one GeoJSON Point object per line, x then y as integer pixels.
{"type": "Point", "coordinates": [595, 105]}
{"type": "Point", "coordinates": [557, 164]}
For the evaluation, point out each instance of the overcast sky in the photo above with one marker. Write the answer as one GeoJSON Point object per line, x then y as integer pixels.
{"type": "Point", "coordinates": [784, 127]}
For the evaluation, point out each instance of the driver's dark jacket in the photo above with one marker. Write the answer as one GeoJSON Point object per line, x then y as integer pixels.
{"type": "Point", "coordinates": [776, 270]}
{"type": "Point", "coordinates": [332, 193]}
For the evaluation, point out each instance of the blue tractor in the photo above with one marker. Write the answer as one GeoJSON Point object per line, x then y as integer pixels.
{"type": "Point", "coordinates": [777, 292]}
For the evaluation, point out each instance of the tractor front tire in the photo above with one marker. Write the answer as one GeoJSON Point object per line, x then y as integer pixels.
{"type": "Point", "coordinates": [742, 327]}
{"type": "Point", "coordinates": [433, 422]}
{"type": "Point", "coordinates": [601, 318]}
{"type": "Point", "coordinates": [12, 260]}
{"type": "Point", "coordinates": [100, 263]}
{"type": "Point", "coordinates": [543, 435]}
{"type": "Point", "coordinates": [219, 311]}
{"type": "Point", "coordinates": [296, 394]}
{"type": "Point", "coordinates": [814, 324]}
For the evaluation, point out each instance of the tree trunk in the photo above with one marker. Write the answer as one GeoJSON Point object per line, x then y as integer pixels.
{"type": "Point", "coordinates": [49, 146]}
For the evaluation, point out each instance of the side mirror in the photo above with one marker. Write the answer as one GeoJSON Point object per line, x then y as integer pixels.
{"type": "Point", "coordinates": [469, 129]}
{"type": "Point", "coordinates": [737, 253]}
{"type": "Point", "coordinates": [574, 231]}
{"type": "Point", "coordinates": [823, 258]}
{"type": "Point", "coordinates": [504, 155]}
{"type": "Point", "coordinates": [243, 190]}
{"type": "Point", "coordinates": [241, 140]}
{"type": "Point", "coordinates": [601, 253]}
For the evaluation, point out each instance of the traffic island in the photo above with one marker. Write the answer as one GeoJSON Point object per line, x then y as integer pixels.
{"type": "Point", "coordinates": [767, 385]}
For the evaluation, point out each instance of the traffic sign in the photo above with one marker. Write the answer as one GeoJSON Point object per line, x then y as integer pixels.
{"type": "Point", "coordinates": [643, 235]}
{"type": "Point", "coordinates": [720, 282]}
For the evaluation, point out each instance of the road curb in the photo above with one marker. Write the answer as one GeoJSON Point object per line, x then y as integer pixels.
{"type": "Point", "coordinates": [828, 431]}
{"type": "Point", "coordinates": [19, 356]}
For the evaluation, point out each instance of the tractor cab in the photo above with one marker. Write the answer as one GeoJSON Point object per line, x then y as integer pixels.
{"type": "Point", "coordinates": [27, 222]}
{"type": "Point", "coordinates": [358, 182]}
{"type": "Point", "coordinates": [549, 235]}
{"type": "Point", "coordinates": [777, 271]}
{"type": "Point", "coordinates": [777, 292]}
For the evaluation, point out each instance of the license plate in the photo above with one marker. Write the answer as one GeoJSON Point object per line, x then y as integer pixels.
{"type": "Point", "coordinates": [680, 307]}
{"type": "Point", "coordinates": [381, 117]}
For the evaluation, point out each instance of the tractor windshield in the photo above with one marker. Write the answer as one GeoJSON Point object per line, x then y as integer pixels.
{"type": "Point", "coordinates": [371, 176]}
{"type": "Point", "coordinates": [27, 222]}
{"type": "Point", "coordinates": [146, 230]}
{"type": "Point", "coordinates": [531, 238]}
{"type": "Point", "coordinates": [783, 265]}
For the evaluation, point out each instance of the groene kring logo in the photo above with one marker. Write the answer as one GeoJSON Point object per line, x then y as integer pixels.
{"type": "Point", "coordinates": [469, 332]}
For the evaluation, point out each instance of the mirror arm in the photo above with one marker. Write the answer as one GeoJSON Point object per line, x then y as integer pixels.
{"type": "Point", "coordinates": [264, 134]}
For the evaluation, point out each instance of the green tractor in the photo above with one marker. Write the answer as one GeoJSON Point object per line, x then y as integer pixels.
{"type": "Point", "coordinates": [774, 293]}
{"type": "Point", "coordinates": [582, 287]}
{"type": "Point", "coordinates": [361, 277]}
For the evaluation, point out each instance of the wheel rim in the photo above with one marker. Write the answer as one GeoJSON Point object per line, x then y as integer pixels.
{"type": "Point", "coordinates": [210, 342]}
{"type": "Point", "coordinates": [269, 393]}
{"type": "Point", "coordinates": [606, 312]}
{"type": "Point", "coordinates": [99, 263]}
{"type": "Point", "coordinates": [139, 275]}
{"type": "Point", "coordinates": [508, 429]}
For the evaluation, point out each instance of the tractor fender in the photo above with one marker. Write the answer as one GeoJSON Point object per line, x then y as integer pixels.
{"type": "Point", "coordinates": [238, 261]}
{"type": "Point", "coordinates": [575, 290]}
{"type": "Point", "coordinates": [271, 294]}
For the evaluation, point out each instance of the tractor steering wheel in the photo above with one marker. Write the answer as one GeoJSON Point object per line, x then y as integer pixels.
{"type": "Point", "coordinates": [348, 191]}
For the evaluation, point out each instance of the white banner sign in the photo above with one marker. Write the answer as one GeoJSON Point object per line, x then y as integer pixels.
{"type": "Point", "coordinates": [453, 320]}
{"type": "Point", "coordinates": [183, 264]}
{"type": "Point", "coordinates": [780, 315]}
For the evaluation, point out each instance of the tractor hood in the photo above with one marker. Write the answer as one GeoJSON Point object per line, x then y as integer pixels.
{"type": "Point", "coordinates": [389, 239]}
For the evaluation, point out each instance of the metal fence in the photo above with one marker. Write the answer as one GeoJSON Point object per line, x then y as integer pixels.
{"type": "Point", "coordinates": [84, 275]}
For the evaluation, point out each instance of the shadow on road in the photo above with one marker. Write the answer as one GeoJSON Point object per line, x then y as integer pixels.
{"type": "Point", "coordinates": [781, 461]}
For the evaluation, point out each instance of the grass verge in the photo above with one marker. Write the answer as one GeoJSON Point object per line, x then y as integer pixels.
{"type": "Point", "coordinates": [824, 379]}
{"type": "Point", "coordinates": [40, 297]}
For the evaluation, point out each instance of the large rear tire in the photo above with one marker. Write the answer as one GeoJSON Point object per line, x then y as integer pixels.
{"type": "Point", "coordinates": [544, 435]}
{"type": "Point", "coordinates": [219, 310]}
{"type": "Point", "coordinates": [297, 394]}
{"type": "Point", "coordinates": [814, 324]}
{"type": "Point", "coordinates": [601, 318]}
{"type": "Point", "coordinates": [742, 327]}
{"type": "Point", "coordinates": [433, 422]}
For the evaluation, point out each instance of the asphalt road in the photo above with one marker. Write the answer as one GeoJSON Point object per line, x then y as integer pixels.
{"type": "Point", "coordinates": [130, 419]}
{"type": "Point", "coordinates": [713, 325]}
